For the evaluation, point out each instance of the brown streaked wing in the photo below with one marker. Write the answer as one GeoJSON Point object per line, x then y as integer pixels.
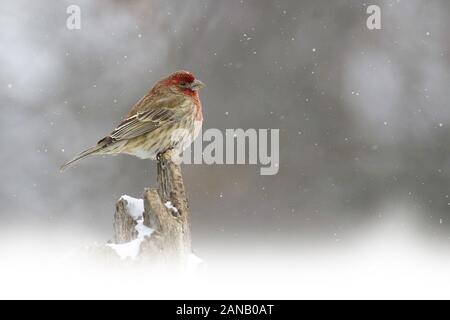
{"type": "Point", "coordinates": [147, 121]}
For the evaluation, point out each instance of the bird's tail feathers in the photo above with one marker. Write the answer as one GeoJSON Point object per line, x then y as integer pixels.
{"type": "Point", "coordinates": [85, 153]}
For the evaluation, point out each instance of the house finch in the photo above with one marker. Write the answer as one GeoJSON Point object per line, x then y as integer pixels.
{"type": "Point", "coordinates": [169, 116]}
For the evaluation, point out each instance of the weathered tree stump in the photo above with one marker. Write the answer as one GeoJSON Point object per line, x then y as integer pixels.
{"type": "Point", "coordinates": [124, 223]}
{"type": "Point", "coordinates": [165, 211]}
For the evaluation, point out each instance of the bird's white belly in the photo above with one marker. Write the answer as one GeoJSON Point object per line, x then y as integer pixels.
{"type": "Point", "coordinates": [180, 140]}
{"type": "Point", "coordinates": [187, 139]}
{"type": "Point", "coordinates": [145, 154]}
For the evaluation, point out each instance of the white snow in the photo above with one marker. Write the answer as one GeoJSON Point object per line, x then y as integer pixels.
{"type": "Point", "coordinates": [135, 206]}
{"type": "Point", "coordinates": [170, 206]}
{"type": "Point", "coordinates": [130, 249]}
{"type": "Point", "coordinates": [194, 262]}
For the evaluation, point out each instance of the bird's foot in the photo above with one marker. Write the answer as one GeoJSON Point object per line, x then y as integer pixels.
{"type": "Point", "coordinates": [174, 155]}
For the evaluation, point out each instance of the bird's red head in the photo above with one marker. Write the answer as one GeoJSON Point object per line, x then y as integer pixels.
{"type": "Point", "coordinates": [184, 81]}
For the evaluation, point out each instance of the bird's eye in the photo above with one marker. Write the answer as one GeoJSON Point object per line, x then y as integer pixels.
{"type": "Point", "coordinates": [183, 84]}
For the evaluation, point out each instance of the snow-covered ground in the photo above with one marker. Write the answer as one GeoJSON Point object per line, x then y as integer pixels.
{"type": "Point", "coordinates": [386, 262]}
{"type": "Point", "coordinates": [376, 269]}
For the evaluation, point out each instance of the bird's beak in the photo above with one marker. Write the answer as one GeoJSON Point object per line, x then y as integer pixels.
{"type": "Point", "coordinates": [196, 85]}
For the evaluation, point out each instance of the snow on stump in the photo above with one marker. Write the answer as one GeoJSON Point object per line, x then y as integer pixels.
{"type": "Point", "coordinates": [156, 228]}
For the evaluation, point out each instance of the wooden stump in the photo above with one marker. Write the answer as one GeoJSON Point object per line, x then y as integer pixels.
{"type": "Point", "coordinates": [166, 212]}
{"type": "Point", "coordinates": [124, 224]}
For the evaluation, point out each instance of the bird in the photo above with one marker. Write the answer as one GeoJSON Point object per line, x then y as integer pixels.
{"type": "Point", "coordinates": [169, 116]}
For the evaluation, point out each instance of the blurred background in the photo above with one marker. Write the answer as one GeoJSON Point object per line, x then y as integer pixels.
{"type": "Point", "coordinates": [363, 115]}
